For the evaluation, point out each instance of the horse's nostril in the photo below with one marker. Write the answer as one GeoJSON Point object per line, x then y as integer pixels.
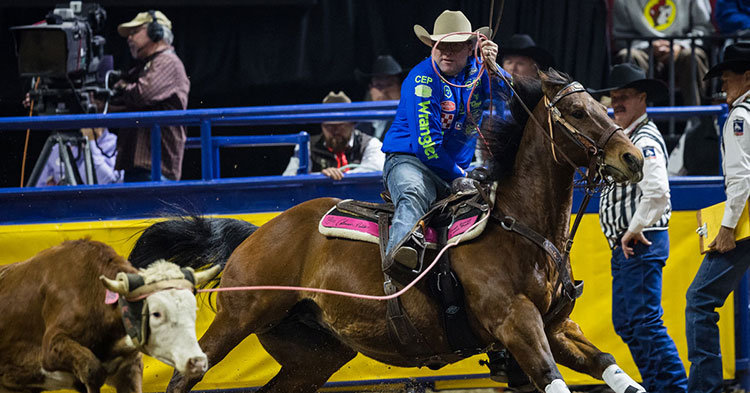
{"type": "Point", "coordinates": [632, 162]}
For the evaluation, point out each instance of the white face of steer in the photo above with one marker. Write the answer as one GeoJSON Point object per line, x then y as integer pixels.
{"type": "Point", "coordinates": [172, 324]}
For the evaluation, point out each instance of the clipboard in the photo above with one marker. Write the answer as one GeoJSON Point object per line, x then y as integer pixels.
{"type": "Point", "coordinates": [709, 223]}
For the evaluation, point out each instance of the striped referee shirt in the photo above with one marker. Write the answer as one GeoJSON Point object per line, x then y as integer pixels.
{"type": "Point", "coordinates": [644, 206]}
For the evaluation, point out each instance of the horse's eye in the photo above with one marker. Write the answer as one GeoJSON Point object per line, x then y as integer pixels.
{"type": "Point", "coordinates": [578, 114]}
{"type": "Point", "coordinates": [156, 315]}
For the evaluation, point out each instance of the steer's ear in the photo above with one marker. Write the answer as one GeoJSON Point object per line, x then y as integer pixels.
{"type": "Point", "coordinates": [119, 284]}
{"type": "Point", "coordinates": [202, 277]}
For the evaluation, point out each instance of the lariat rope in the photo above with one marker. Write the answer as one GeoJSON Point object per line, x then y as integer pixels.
{"type": "Point", "coordinates": [352, 294]}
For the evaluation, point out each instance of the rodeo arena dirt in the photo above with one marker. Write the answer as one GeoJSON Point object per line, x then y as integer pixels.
{"type": "Point", "coordinates": [340, 196]}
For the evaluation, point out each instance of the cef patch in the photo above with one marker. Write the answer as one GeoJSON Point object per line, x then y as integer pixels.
{"type": "Point", "coordinates": [649, 153]}
{"type": "Point", "coordinates": [739, 127]}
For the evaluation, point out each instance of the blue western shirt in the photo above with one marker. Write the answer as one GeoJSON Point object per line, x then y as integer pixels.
{"type": "Point", "coordinates": [431, 121]}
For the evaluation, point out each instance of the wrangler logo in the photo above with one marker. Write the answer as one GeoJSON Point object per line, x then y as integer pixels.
{"type": "Point", "coordinates": [425, 140]}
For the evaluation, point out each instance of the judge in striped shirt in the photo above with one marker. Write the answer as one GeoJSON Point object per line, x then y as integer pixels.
{"type": "Point", "coordinates": [635, 218]}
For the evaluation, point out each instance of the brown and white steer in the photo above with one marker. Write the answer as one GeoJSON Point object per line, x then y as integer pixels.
{"type": "Point", "coordinates": [57, 332]}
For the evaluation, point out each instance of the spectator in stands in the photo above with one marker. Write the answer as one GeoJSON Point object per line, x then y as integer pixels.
{"type": "Point", "coordinates": [733, 16]}
{"type": "Point", "coordinates": [384, 84]}
{"type": "Point", "coordinates": [520, 56]}
{"type": "Point", "coordinates": [103, 154]}
{"type": "Point", "coordinates": [340, 148]}
{"type": "Point", "coordinates": [635, 218]}
{"type": "Point", "coordinates": [646, 18]}
{"type": "Point", "coordinates": [157, 82]}
{"type": "Point", "coordinates": [723, 267]}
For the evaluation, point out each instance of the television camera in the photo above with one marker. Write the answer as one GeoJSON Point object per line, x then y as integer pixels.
{"type": "Point", "coordinates": [64, 57]}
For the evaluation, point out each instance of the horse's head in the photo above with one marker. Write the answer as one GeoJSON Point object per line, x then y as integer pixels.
{"type": "Point", "coordinates": [601, 144]}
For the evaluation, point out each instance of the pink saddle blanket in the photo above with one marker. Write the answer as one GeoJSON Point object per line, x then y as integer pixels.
{"type": "Point", "coordinates": [343, 224]}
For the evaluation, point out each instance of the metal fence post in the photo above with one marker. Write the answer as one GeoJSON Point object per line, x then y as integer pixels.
{"type": "Point", "coordinates": [155, 152]}
{"type": "Point", "coordinates": [303, 153]}
{"type": "Point", "coordinates": [206, 150]}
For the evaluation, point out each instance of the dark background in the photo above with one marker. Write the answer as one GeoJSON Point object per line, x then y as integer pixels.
{"type": "Point", "coordinates": [266, 52]}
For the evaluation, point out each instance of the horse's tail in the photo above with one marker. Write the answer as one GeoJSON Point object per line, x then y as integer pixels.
{"type": "Point", "coordinates": [190, 241]}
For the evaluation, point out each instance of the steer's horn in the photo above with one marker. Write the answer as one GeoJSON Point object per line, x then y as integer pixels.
{"type": "Point", "coordinates": [203, 276]}
{"type": "Point", "coordinates": [119, 284]}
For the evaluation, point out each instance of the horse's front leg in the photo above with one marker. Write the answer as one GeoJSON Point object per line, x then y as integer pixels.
{"type": "Point", "coordinates": [522, 333]}
{"type": "Point", "coordinates": [572, 349]}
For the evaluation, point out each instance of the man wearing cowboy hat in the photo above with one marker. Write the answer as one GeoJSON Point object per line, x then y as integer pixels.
{"type": "Point", "coordinates": [384, 84]}
{"type": "Point", "coordinates": [340, 148]}
{"type": "Point", "coordinates": [635, 218]}
{"type": "Point", "coordinates": [723, 267]}
{"type": "Point", "coordinates": [157, 82]}
{"type": "Point", "coordinates": [432, 139]}
{"type": "Point", "coordinates": [522, 57]}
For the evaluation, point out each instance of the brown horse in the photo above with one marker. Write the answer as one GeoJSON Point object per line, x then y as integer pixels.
{"type": "Point", "coordinates": [509, 282]}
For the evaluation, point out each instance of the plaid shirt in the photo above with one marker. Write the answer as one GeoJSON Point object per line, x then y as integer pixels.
{"type": "Point", "coordinates": [157, 83]}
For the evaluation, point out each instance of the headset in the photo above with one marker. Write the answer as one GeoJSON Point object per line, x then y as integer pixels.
{"type": "Point", "coordinates": [155, 30]}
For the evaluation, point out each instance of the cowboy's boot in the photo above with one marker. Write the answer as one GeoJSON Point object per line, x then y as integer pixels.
{"type": "Point", "coordinates": [409, 252]}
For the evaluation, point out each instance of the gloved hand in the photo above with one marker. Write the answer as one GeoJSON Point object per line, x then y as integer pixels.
{"type": "Point", "coordinates": [480, 174]}
{"type": "Point", "coordinates": [463, 185]}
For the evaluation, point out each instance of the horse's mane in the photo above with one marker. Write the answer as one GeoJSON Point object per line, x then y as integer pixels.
{"type": "Point", "coordinates": [504, 136]}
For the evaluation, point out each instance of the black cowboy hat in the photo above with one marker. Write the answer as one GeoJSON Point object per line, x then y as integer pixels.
{"type": "Point", "coordinates": [629, 75]}
{"type": "Point", "coordinates": [736, 57]}
{"type": "Point", "coordinates": [523, 45]}
{"type": "Point", "coordinates": [383, 65]}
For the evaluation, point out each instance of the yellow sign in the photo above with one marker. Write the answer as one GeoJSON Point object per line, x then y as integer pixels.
{"type": "Point", "coordinates": [248, 365]}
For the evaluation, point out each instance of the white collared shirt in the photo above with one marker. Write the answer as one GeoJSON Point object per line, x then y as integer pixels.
{"type": "Point", "coordinates": [736, 163]}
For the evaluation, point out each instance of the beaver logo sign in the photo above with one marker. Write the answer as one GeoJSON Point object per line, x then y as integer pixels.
{"type": "Point", "coordinates": [660, 13]}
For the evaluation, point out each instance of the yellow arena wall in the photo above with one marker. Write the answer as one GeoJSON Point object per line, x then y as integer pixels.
{"type": "Point", "coordinates": [248, 365]}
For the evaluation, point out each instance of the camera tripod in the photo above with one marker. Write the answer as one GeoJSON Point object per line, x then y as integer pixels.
{"type": "Point", "coordinates": [70, 172]}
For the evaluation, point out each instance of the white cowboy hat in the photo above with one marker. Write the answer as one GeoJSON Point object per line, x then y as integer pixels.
{"type": "Point", "coordinates": [449, 22]}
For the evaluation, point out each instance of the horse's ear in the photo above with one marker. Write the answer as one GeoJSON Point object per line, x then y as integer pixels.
{"type": "Point", "coordinates": [552, 82]}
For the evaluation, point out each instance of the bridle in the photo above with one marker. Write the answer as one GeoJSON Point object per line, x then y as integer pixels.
{"type": "Point", "coordinates": [593, 182]}
{"type": "Point", "coordinates": [594, 148]}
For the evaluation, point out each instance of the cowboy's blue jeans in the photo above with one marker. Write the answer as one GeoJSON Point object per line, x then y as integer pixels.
{"type": "Point", "coordinates": [717, 277]}
{"type": "Point", "coordinates": [637, 312]}
{"type": "Point", "coordinates": [413, 187]}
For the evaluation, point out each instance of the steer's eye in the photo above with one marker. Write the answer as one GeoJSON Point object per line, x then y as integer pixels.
{"type": "Point", "coordinates": [578, 114]}
{"type": "Point", "coordinates": [156, 315]}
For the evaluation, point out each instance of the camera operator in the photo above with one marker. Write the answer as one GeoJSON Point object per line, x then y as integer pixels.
{"type": "Point", "coordinates": [157, 82]}
{"type": "Point", "coordinates": [103, 159]}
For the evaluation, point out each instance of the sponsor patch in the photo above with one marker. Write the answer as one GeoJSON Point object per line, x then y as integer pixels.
{"type": "Point", "coordinates": [739, 127]}
{"type": "Point", "coordinates": [423, 91]}
{"type": "Point", "coordinates": [649, 153]}
{"type": "Point", "coordinates": [448, 106]}
{"type": "Point", "coordinates": [447, 119]}
{"type": "Point", "coordinates": [447, 91]}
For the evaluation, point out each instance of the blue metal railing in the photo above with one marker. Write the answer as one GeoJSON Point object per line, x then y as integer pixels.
{"type": "Point", "coordinates": [207, 118]}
